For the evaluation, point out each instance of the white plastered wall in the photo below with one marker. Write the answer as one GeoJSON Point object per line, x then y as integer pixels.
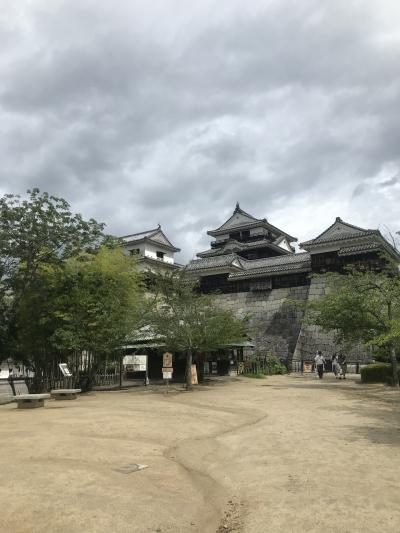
{"type": "Point", "coordinates": [149, 250]}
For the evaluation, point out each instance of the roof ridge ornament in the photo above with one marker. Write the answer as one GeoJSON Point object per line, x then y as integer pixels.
{"type": "Point", "coordinates": [237, 208]}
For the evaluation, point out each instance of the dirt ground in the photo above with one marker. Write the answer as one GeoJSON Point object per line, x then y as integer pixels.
{"type": "Point", "coordinates": [284, 454]}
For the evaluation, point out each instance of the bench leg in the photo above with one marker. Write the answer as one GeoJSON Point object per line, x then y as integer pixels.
{"type": "Point", "coordinates": [64, 396]}
{"type": "Point", "coordinates": [30, 404]}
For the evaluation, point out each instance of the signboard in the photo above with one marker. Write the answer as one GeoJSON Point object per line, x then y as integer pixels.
{"type": "Point", "coordinates": [194, 375]}
{"type": "Point", "coordinates": [167, 360]}
{"type": "Point", "coordinates": [307, 367]}
{"type": "Point", "coordinates": [167, 369]}
{"type": "Point", "coordinates": [65, 370]}
{"type": "Point", "coordinates": [136, 363]}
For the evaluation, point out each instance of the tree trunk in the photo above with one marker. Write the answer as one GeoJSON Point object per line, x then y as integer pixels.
{"type": "Point", "coordinates": [189, 359]}
{"type": "Point", "coordinates": [393, 361]}
{"type": "Point", "coordinates": [200, 368]}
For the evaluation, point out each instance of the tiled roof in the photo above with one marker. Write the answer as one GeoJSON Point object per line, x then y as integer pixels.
{"type": "Point", "coordinates": [339, 237]}
{"type": "Point", "coordinates": [250, 264]}
{"type": "Point", "coordinates": [272, 265]}
{"type": "Point", "coordinates": [214, 262]}
{"type": "Point", "coordinates": [363, 240]}
{"type": "Point", "coordinates": [242, 246]}
{"type": "Point", "coordinates": [359, 248]}
{"type": "Point", "coordinates": [239, 210]}
{"type": "Point", "coordinates": [251, 268]}
{"type": "Point", "coordinates": [156, 235]}
{"type": "Point", "coordinates": [343, 231]}
{"type": "Point", "coordinates": [251, 222]}
{"type": "Point", "coordinates": [140, 235]}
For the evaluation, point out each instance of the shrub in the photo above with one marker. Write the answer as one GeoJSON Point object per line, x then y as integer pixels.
{"type": "Point", "coordinates": [274, 366]}
{"type": "Point", "coordinates": [376, 373]}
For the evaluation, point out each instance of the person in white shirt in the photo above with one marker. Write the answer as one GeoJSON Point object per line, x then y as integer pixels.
{"type": "Point", "coordinates": [319, 364]}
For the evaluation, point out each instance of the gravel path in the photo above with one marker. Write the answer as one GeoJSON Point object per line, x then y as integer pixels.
{"type": "Point", "coordinates": [284, 454]}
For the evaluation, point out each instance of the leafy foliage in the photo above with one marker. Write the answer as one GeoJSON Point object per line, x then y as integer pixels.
{"type": "Point", "coordinates": [190, 322]}
{"type": "Point", "coordinates": [97, 303]}
{"type": "Point", "coordinates": [376, 373]}
{"type": "Point", "coordinates": [41, 230]}
{"type": "Point", "coordinates": [362, 305]}
{"type": "Point", "coordinates": [36, 232]}
{"type": "Point", "coordinates": [90, 304]}
{"type": "Point", "coordinates": [65, 286]}
{"type": "Point", "coordinates": [274, 366]}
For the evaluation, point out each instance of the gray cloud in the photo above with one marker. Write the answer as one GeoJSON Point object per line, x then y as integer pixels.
{"type": "Point", "coordinates": [140, 112]}
{"type": "Point", "coordinates": [390, 182]}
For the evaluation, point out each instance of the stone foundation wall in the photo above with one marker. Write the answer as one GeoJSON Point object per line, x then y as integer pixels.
{"type": "Point", "coordinates": [274, 323]}
{"type": "Point", "coordinates": [276, 326]}
{"type": "Point", "coordinates": [312, 338]}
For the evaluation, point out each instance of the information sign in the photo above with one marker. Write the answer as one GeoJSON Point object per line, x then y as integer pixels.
{"type": "Point", "coordinates": [65, 370]}
{"type": "Point", "coordinates": [135, 363]}
{"type": "Point", "coordinates": [307, 367]}
{"type": "Point", "coordinates": [167, 360]}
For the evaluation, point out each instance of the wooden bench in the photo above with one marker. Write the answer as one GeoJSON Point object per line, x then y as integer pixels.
{"type": "Point", "coordinates": [65, 394]}
{"type": "Point", "coordinates": [30, 401]}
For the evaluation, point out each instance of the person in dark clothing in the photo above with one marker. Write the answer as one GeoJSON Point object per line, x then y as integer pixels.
{"type": "Point", "coordinates": [343, 365]}
{"type": "Point", "coordinates": [319, 363]}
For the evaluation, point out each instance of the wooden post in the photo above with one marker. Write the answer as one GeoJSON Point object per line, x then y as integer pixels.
{"type": "Point", "coordinates": [120, 370]}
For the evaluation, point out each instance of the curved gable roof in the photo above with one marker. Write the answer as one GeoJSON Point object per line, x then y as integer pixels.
{"type": "Point", "coordinates": [156, 236]}
{"type": "Point", "coordinates": [241, 219]}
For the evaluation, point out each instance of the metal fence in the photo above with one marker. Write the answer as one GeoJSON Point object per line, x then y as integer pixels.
{"type": "Point", "coordinates": [298, 366]}
{"type": "Point", "coordinates": [101, 379]}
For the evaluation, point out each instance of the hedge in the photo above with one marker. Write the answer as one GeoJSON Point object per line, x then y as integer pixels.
{"type": "Point", "coordinates": [377, 373]}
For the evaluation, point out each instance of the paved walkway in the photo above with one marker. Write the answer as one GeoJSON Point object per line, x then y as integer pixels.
{"type": "Point", "coordinates": [284, 454]}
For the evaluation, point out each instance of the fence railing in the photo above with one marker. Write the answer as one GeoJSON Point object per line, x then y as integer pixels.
{"type": "Point", "coordinates": [42, 384]}
{"type": "Point", "coordinates": [106, 379]}
{"type": "Point", "coordinates": [298, 366]}
{"type": "Point", "coordinates": [255, 367]}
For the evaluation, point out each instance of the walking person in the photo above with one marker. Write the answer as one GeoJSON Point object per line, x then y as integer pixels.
{"type": "Point", "coordinates": [319, 364]}
{"type": "Point", "coordinates": [336, 366]}
{"type": "Point", "coordinates": [343, 365]}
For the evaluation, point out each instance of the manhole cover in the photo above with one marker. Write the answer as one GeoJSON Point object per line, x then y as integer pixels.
{"type": "Point", "coordinates": [128, 469]}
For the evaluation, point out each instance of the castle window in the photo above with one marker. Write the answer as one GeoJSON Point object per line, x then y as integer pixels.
{"type": "Point", "coordinates": [160, 255]}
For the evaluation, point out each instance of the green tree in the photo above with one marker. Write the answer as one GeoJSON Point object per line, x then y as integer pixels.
{"type": "Point", "coordinates": [190, 322]}
{"type": "Point", "coordinates": [98, 303]}
{"type": "Point", "coordinates": [362, 305]}
{"type": "Point", "coordinates": [35, 232]}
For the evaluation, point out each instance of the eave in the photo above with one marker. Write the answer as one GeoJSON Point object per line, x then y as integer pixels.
{"type": "Point", "coordinates": [256, 224]}
{"type": "Point", "coordinates": [233, 246]}
{"type": "Point", "coordinates": [159, 263]}
{"type": "Point", "coordinates": [153, 242]}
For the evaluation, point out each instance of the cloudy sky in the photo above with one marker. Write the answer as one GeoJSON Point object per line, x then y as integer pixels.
{"type": "Point", "coordinates": [169, 111]}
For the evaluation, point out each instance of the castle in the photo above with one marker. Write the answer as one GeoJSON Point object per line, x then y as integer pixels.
{"type": "Point", "coordinates": [253, 267]}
